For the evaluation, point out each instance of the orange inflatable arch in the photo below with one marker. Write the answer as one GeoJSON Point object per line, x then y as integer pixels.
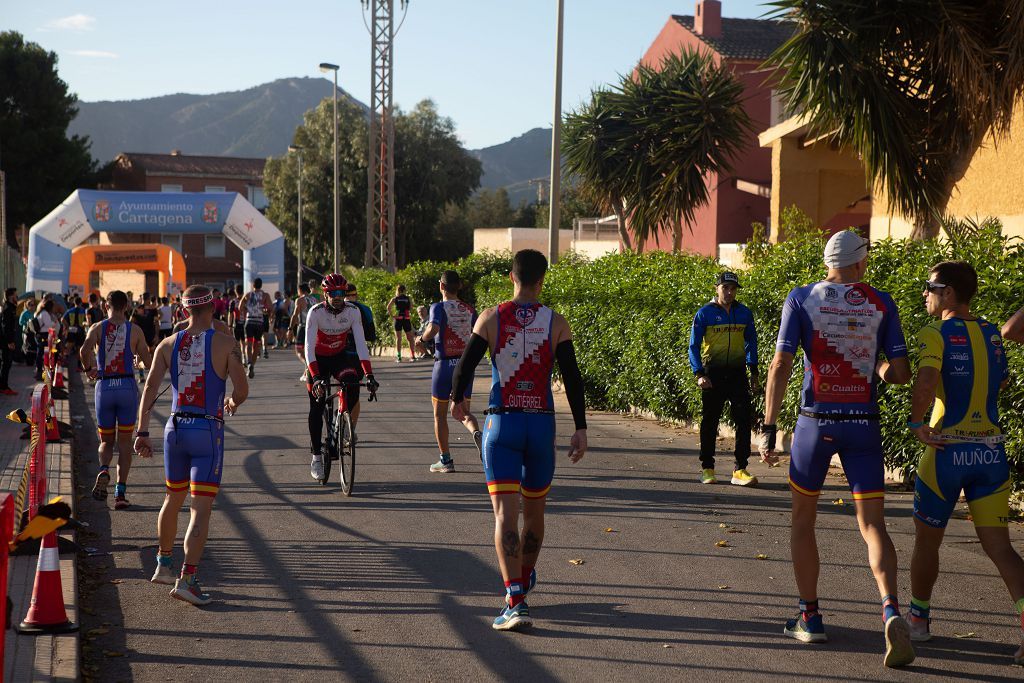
{"type": "Point", "coordinates": [166, 260]}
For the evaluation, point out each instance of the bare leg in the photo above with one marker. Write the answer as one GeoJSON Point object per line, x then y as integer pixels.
{"type": "Point", "coordinates": [533, 529]}
{"type": "Point", "coordinates": [441, 424]}
{"type": "Point", "coordinates": [881, 551]}
{"type": "Point", "coordinates": [506, 536]}
{"type": "Point", "coordinates": [106, 449]}
{"type": "Point", "coordinates": [398, 342]}
{"type": "Point", "coordinates": [924, 563]}
{"type": "Point", "coordinates": [125, 450]}
{"type": "Point", "coordinates": [996, 543]}
{"type": "Point", "coordinates": [803, 545]}
{"type": "Point", "coordinates": [198, 528]}
{"type": "Point", "coordinates": [167, 522]}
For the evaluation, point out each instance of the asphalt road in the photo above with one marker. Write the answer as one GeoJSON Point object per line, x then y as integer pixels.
{"type": "Point", "coordinates": [400, 582]}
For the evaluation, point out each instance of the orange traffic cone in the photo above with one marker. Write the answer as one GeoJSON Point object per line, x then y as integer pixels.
{"type": "Point", "coordinates": [58, 377]}
{"type": "Point", "coordinates": [52, 430]}
{"type": "Point", "coordinates": [46, 611]}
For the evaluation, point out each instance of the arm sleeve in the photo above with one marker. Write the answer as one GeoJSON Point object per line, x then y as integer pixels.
{"type": "Point", "coordinates": [310, 343]}
{"type": "Point", "coordinates": [565, 354]}
{"type": "Point", "coordinates": [463, 374]}
{"type": "Point", "coordinates": [750, 341]}
{"type": "Point", "coordinates": [931, 346]}
{"type": "Point", "coordinates": [894, 343]}
{"type": "Point", "coordinates": [696, 339]}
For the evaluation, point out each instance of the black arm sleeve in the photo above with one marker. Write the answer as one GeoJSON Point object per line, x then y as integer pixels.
{"type": "Point", "coordinates": [565, 354]}
{"type": "Point", "coordinates": [463, 374]}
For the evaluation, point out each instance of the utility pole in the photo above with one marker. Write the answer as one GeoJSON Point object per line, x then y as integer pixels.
{"type": "Point", "coordinates": [556, 145]}
{"type": "Point", "coordinates": [298, 268]}
{"type": "Point", "coordinates": [380, 201]}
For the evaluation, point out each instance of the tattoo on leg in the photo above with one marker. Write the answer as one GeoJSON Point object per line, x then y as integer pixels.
{"type": "Point", "coordinates": [531, 544]}
{"type": "Point", "coordinates": [510, 543]}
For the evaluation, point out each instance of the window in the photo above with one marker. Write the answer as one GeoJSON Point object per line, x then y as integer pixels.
{"type": "Point", "coordinates": [214, 246]}
{"type": "Point", "coordinates": [173, 241]}
{"type": "Point", "coordinates": [170, 188]}
{"type": "Point", "coordinates": [257, 198]}
{"type": "Point", "coordinates": [215, 188]}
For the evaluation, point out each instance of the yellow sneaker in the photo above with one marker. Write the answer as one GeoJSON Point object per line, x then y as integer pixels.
{"type": "Point", "coordinates": [708, 477]}
{"type": "Point", "coordinates": [743, 478]}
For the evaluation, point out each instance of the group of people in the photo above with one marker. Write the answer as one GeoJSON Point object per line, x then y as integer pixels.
{"type": "Point", "coordinates": [852, 340]}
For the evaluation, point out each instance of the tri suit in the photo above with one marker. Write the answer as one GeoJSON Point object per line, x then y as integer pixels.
{"type": "Point", "coordinates": [194, 433]}
{"type": "Point", "coordinates": [255, 318]}
{"type": "Point", "coordinates": [842, 329]}
{"type": "Point", "coordinates": [455, 320]}
{"type": "Point", "coordinates": [116, 395]}
{"type": "Point", "coordinates": [239, 324]}
{"type": "Point", "coordinates": [519, 432]}
{"type": "Point", "coordinates": [972, 363]}
{"type": "Point", "coordinates": [403, 313]}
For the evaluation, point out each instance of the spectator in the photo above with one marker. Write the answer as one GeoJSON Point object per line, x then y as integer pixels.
{"type": "Point", "coordinates": [8, 338]}
{"type": "Point", "coordinates": [28, 334]}
{"type": "Point", "coordinates": [44, 321]}
{"type": "Point", "coordinates": [428, 345]}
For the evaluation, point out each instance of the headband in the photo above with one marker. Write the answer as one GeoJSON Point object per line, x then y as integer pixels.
{"type": "Point", "coordinates": [197, 301]}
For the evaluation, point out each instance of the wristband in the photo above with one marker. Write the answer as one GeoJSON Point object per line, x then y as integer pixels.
{"type": "Point", "coordinates": [914, 425]}
{"type": "Point", "coordinates": [145, 434]}
{"type": "Point", "coordinates": [768, 435]}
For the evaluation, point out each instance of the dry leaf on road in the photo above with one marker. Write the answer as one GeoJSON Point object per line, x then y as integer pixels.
{"type": "Point", "coordinates": [610, 530]}
{"type": "Point", "coordinates": [969, 634]}
{"type": "Point", "coordinates": [724, 587]}
{"type": "Point", "coordinates": [722, 544]}
{"type": "Point", "coordinates": [760, 556]}
{"type": "Point", "coordinates": [576, 562]}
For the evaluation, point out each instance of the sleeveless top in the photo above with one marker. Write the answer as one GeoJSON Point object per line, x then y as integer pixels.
{"type": "Point", "coordinates": [254, 307]}
{"type": "Point", "coordinates": [522, 359]}
{"type": "Point", "coordinates": [116, 359]}
{"type": "Point", "coordinates": [455, 320]}
{"type": "Point", "coordinates": [402, 306]}
{"type": "Point", "coordinates": [195, 387]}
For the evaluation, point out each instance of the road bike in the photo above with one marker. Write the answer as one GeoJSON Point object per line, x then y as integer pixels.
{"type": "Point", "coordinates": [340, 441]}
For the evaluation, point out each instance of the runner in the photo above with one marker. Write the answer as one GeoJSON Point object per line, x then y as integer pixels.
{"type": "Point", "coordinates": [303, 303]}
{"type": "Point", "coordinates": [402, 305]}
{"type": "Point", "coordinates": [962, 369]}
{"type": "Point", "coordinates": [220, 306]}
{"type": "Point", "coordinates": [236, 319]}
{"type": "Point", "coordinates": [451, 321]}
{"type": "Point", "coordinates": [200, 361]}
{"type": "Point", "coordinates": [842, 325]}
{"type": "Point", "coordinates": [255, 306]}
{"type": "Point", "coordinates": [166, 315]}
{"type": "Point", "coordinates": [1014, 327]}
{"type": "Point", "coordinates": [95, 313]}
{"type": "Point", "coordinates": [519, 434]}
{"type": "Point", "coordinates": [119, 344]}
{"type": "Point", "coordinates": [722, 338]}
{"type": "Point", "coordinates": [144, 323]}
{"type": "Point", "coordinates": [369, 327]}
{"type": "Point", "coordinates": [75, 320]}
{"type": "Point", "coordinates": [282, 312]}
{"type": "Point", "coordinates": [328, 327]}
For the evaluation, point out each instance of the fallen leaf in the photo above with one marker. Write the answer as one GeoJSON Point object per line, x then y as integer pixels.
{"type": "Point", "coordinates": [722, 544]}
{"type": "Point", "coordinates": [724, 587]}
{"type": "Point", "coordinates": [97, 631]}
{"type": "Point", "coordinates": [667, 647]}
{"type": "Point", "coordinates": [723, 526]}
{"type": "Point", "coordinates": [839, 501]}
{"type": "Point", "coordinates": [117, 581]}
{"type": "Point", "coordinates": [734, 531]}
{"type": "Point", "coordinates": [969, 634]}
{"type": "Point", "coordinates": [576, 562]}
{"type": "Point", "coordinates": [610, 530]}
{"type": "Point", "coordinates": [760, 556]}
{"type": "Point", "coordinates": [112, 653]}
{"type": "Point", "coordinates": [356, 630]}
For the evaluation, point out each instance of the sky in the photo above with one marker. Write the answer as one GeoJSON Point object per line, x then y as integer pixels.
{"type": "Point", "coordinates": [488, 64]}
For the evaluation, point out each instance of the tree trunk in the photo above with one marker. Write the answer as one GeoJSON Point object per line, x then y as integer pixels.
{"type": "Point", "coordinates": [677, 238]}
{"type": "Point", "coordinates": [928, 224]}
{"type": "Point", "coordinates": [620, 224]}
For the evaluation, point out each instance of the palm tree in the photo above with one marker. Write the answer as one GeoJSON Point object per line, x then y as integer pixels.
{"type": "Point", "coordinates": [913, 86]}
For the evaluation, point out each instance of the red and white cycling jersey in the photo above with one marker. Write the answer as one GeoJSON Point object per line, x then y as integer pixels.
{"type": "Point", "coordinates": [327, 332]}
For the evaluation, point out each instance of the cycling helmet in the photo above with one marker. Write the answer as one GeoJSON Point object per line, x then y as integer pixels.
{"type": "Point", "coordinates": [333, 283]}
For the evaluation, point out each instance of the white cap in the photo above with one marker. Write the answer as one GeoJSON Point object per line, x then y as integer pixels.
{"type": "Point", "coordinates": [845, 249]}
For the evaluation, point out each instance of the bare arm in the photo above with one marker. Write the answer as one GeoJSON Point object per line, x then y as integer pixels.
{"type": "Point", "coordinates": [234, 370]}
{"type": "Point", "coordinates": [925, 387]}
{"type": "Point", "coordinates": [1014, 327]}
{"type": "Point", "coordinates": [140, 348]}
{"type": "Point", "coordinates": [432, 331]}
{"type": "Point", "coordinates": [778, 378]}
{"type": "Point", "coordinates": [88, 352]}
{"type": "Point", "coordinates": [390, 304]}
{"type": "Point", "coordinates": [895, 371]}
{"type": "Point", "coordinates": [296, 315]}
{"type": "Point", "coordinates": [149, 393]}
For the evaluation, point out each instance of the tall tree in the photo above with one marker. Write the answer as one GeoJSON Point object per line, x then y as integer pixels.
{"type": "Point", "coordinates": [913, 86]}
{"type": "Point", "coordinates": [574, 204]}
{"type": "Point", "coordinates": [42, 165]}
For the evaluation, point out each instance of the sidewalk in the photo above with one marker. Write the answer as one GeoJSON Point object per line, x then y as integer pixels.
{"type": "Point", "coordinates": [37, 658]}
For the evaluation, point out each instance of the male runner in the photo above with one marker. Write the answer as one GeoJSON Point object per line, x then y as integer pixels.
{"type": "Point", "coordinates": [525, 339]}
{"type": "Point", "coordinates": [1014, 327]}
{"type": "Point", "coordinates": [303, 303]}
{"type": "Point", "coordinates": [962, 369]}
{"type": "Point", "coordinates": [722, 338]}
{"type": "Point", "coordinates": [236, 319]}
{"type": "Point", "coordinates": [402, 315]}
{"type": "Point", "coordinates": [75, 320]}
{"type": "Point", "coordinates": [118, 344]}
{"type": "Point", "coordinates": [95, 313]}
{"type": "Point", "coordinates": [166, 314]}
{"type": "Point", "coordinates": [451, 321]}
{"type": "Point", "coordinates": [369, 327]}
{"type": "Point", "coordinates": [328, 327]}
{"type": "Point", "coordinates": [842, 325]}
{"type": "Point", "coordinates": [200, 360]}
{"type": "Point", "coordinates": [282, 311]}
{"type": "Point", "coordinates": [255, 306]}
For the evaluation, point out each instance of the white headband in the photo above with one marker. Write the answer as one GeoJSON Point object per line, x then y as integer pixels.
{"type": "Point", "coordinates": [197, 301]}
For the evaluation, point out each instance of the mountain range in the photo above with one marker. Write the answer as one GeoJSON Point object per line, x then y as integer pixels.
{"type": "Point", "coordinates": [260, 122]}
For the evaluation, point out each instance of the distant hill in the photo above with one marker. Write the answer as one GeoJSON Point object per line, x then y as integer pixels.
{"type": "Point", "coordinates": [257, 122]}
{"type": "Point", "coordinates": [512, 164]}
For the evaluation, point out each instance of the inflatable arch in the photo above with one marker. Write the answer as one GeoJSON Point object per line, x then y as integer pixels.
{"type": "Point", "coordinates": [166, 260]}
{"type": "Point", "coordinates": [86, 212]}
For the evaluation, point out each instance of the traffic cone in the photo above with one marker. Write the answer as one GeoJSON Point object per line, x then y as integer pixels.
{"type": "Point", "coordinates": [52, 430]}
{"type": "Point", "coordinates": [46, 611]}
{"type": "Point", "coordinates": [58, 377]}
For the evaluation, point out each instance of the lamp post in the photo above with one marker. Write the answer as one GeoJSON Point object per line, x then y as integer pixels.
{"type": "Point", "coordinates": [556, 142]}
{"type": "Point", "coordinates": [325, 67]}
{"type": "Point", "coordinates": [298, 269]}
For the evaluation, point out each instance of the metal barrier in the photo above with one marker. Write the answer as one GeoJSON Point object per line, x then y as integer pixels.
{"type": "Point", "coordinates": [6, 534]}
{"type": "Point", "coordinates": [41, 417]}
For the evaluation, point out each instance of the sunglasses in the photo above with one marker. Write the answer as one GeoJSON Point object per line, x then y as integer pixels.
{"type": "Point", "coordinates": [336, 293]}
{"type": "Point", "coordinates": [930, 286]}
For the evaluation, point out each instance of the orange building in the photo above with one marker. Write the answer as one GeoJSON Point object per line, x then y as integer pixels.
{"type": "Point", "coordinates": [739, 199]}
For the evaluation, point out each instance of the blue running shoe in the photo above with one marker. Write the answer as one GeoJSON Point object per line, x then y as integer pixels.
{"type": "Point", "coordinates": [810, 631]}
{"type": "Point", "coordinates": [513, 618]}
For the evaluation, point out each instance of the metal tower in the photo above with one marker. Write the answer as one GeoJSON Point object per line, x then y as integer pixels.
{"type": "Point", "coordinates": [380, 202]}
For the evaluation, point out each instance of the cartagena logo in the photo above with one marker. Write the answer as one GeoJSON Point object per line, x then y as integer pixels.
{"type": "Point", "coordinates": [210, 212]}
{"type": "Point", "coordinates": [101, 211]}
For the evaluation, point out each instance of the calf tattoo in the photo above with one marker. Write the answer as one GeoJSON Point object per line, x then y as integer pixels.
{"type": "Point", "coordinates": [510, 543]}
{"type": "Point", "coordinates": [531, 544]}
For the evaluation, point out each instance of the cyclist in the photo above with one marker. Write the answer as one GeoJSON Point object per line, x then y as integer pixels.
{"type": "Point", "coordinates": [1014, 327]}
{"type": "Point", "coordinates": [303, 303]}
{"type": "Point", "coordinates": [842, 325]}
{"type": "Point", "coordinates": [402, 315]}
{"type": "Point", "coordinates": [722, 338]}
{"type": "Point", "coordinates": [255, 306]}
{"type": "Point", "coordinates": [329, 324]}
{"type": "Point", "coordinates": [200, 361]}
{"type": "Point", "coordinates": [962, 369]}
{"type": "Point", "coordinates": [524, 339]}
{"type": "Point", "coordinates": [451, 322]}
{"type": "Point", "coordinates": [118, 344]}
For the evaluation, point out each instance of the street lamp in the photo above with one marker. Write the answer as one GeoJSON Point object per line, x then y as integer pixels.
{"type": "Point", "coordinates": [554, 204]}
{"type": "Point", "coordinates": [325, 67]}
{"type": "Point", "coordinates": [298, 270]}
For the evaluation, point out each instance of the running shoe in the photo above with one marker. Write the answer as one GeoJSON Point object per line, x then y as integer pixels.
{"type": "Point", "coordinates": [265, 354]}
{"type": "Point", "coordinates": [810, 631]}
{"type": "Point", "coordinates": [443, 466]}
{"type": "Point", "coordinates": [99, 489]}
{"type": "Point", "coordinates": [252, 369]}
{"type": "Point", "coordinates": [743, 478]}
{"type": "Point", "coordinates": [164, 574]}
{"type": "Point", "coordinates": [898, 649]}
{"type": "Point", "coordinates": [513, 618]}
{"type": "Point", "coordinates": [707, 476]}
{"type": "Point", "coordinates": [316, 468]}
{"type": "Point", "coordinates": [478, 439]}
{"type": "Point", "coordinates": [189, 591]}
{"type": "Point", "coordinates": [920, 630]}
{"type": "Point", "coordinates": [121, 503]}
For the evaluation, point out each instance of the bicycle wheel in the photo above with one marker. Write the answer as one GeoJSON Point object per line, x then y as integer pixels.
{"type": "Point", "coordinates": [330, 451]}
{"type": "Point", "coordinates": [346, 453]}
